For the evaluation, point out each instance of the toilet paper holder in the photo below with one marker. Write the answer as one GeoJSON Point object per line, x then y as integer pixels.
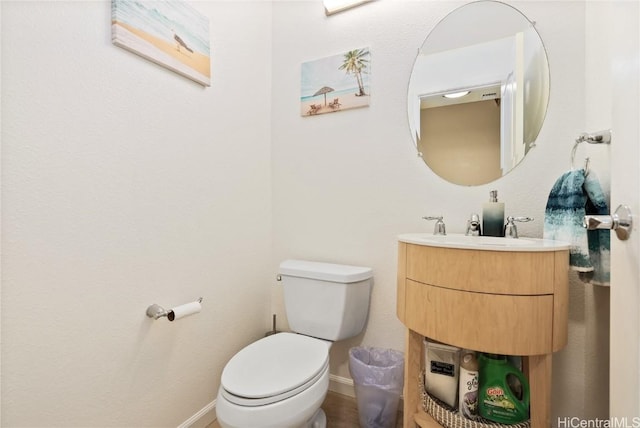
{"type": "Point", "coordinates": [156, 311]}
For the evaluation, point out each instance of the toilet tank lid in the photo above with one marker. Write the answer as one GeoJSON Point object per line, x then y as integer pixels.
{"type": "Point", "coordinates": [325, 271]}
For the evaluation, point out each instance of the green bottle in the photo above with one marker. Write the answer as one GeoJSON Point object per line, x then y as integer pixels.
{"type": "Point", "coordinates": [503, 392]}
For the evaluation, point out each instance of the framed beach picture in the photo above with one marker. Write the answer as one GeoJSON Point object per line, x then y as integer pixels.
{"type": "Point", "coordinates": [336, 83]}
{"type": "Point", "coordinates": [170, 33]}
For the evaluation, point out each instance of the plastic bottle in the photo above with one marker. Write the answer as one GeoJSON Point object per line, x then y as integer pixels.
{"type": "Point", "coordinates": [493, 216]}
{"type": "Point", "coordinates": [468, 388]}
{"type": "Point", "coordinates": [503, 391]}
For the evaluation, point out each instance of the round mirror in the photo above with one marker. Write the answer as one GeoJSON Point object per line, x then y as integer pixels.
{"type": "Point", "coordinates": [478, 93]}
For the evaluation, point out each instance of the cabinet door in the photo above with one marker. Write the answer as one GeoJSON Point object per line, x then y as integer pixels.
{"type": "Point", "coordinates": [496, 272]}
{"type": "Point", "coordinates": [502, 324]}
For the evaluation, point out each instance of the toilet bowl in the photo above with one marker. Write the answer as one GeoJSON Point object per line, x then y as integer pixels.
{"type": "Point", "coordinates": [281, 380]}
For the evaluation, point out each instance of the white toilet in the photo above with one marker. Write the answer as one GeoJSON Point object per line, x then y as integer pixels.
{"type": "Point", "coordinates": [280, 381]}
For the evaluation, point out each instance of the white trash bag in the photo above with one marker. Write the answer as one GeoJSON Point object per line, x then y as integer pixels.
{"type": "Point", "coordinates": [378, 376]}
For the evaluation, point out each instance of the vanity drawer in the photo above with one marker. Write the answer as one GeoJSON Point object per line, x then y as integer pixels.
{"type": "Point", "coordinates": [498, 272]}
{"type": "Point", "coordinates": [495, 323]}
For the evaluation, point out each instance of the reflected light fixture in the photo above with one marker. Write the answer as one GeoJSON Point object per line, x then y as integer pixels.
{"type": "Point", "coordinates": [335, 6]}
{"type": "Point", "coordinates": [457, 94]}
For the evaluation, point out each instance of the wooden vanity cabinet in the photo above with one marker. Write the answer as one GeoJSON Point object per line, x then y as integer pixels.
{"type": "Point", "coordinates": [502, 302]}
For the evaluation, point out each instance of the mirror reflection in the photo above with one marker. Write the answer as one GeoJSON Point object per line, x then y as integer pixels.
{"type": "Point", "coordinates": [478, 93]}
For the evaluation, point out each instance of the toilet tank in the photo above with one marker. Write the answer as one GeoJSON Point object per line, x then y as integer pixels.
{"type": "Point", "coordinates": [325, 300]}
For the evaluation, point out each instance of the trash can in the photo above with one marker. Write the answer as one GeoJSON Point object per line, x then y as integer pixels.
{"type": "Point", "coordinates": [378, 376]}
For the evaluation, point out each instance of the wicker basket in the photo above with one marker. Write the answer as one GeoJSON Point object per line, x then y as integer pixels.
{"type": "Point", "coordinates": [452, 419]}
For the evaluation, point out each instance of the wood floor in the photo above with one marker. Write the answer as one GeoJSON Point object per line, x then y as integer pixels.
{"type": "Point", "coordinates": [341, 410]}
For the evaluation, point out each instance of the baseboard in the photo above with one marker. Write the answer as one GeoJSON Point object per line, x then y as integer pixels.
{"type": "Point", "coordinates": [342, 385]}
{"type": "Point", "coordinates": [202, 417]}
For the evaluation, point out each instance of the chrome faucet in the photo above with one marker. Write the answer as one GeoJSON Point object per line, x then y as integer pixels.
{"type": "Point", "coordinates": [439, 228]}
{"type": "Point", "coordinates": [510, 229]}
{"type": "Point", "coordinates": [473, 226]}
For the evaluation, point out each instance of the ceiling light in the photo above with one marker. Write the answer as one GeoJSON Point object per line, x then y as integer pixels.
{"type": "Point", "coordinates": [335, 6]}
{"type": "Point", "coordinates": [457, 94]}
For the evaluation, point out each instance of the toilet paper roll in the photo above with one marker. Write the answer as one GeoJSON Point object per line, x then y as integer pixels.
{"type": "Point", "coordinates": [184, 310]}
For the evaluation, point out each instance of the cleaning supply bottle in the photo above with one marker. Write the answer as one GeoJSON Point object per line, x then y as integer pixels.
{"type": "Point", "coordinates": [503, 391]}
{"type": "Point", "coordinates": [468, 387]}
{"type": "Point", "coordinates": [493, 216]}
{"type": "Point", "coordinates": [442, 364]}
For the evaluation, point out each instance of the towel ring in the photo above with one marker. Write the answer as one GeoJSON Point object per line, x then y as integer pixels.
{"type": "Point", "coordinates": [587, 161]}
{"type": "Point", "coordinates": [586, 166]}
{"type": "Point", "coordinates": [600, 137]}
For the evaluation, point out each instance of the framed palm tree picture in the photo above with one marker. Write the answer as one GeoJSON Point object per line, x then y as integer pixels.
{"type": "Point", "coordinates": [170, 33]}
{"type": "Point", "coordinates": [336, 83]}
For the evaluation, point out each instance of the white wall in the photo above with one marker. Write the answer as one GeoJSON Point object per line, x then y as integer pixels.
{"type": "Point", "coordinates": [346, 184]}
{"type": "Point", "coordinates": [125, 184]}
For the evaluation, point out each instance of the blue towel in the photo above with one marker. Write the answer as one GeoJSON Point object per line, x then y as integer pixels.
{"type": "Point", "coordinates": [599, 240]}
{"type": "Point", "coordinates": [572, 197]}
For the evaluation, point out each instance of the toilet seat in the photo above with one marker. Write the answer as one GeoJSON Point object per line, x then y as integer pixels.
{"type": "Point", "coordinates": [251, 402]}
{"type": "Point", "coordinates": [274, 368]}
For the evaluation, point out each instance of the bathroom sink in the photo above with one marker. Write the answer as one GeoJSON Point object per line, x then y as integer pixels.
{"type": "Point", "coordinates": [487, 243]}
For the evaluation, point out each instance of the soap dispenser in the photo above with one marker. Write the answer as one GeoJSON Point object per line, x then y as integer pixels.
{"type": "Point", "coordinates": [493, 216]}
